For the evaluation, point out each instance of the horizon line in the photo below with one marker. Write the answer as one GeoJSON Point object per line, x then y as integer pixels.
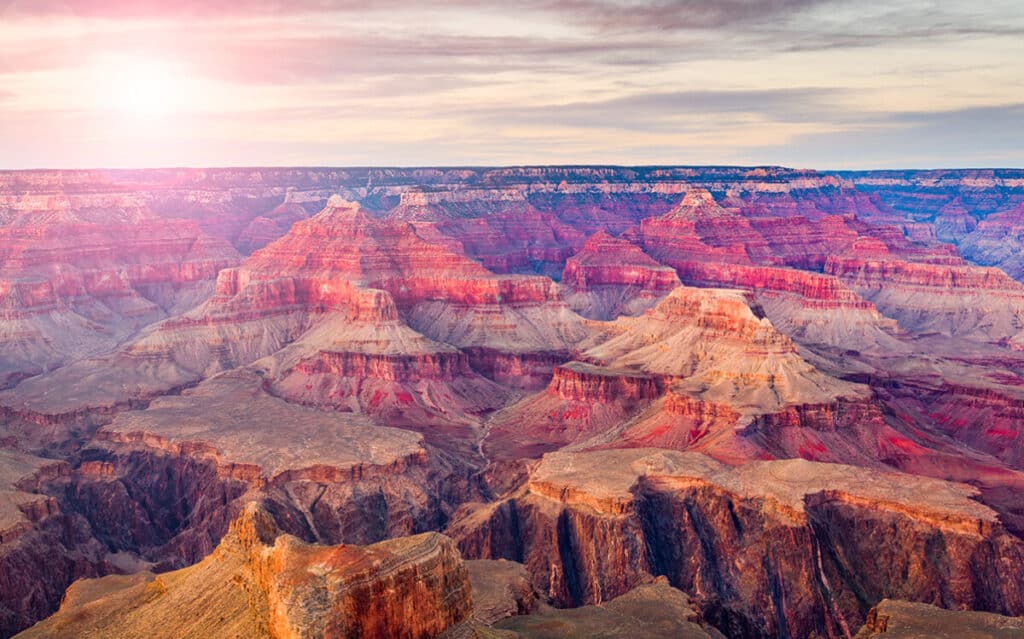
{"type": "Point", "coordinates": [449, 167]}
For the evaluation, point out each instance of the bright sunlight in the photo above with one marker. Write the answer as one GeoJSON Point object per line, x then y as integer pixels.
{"type": "Point", "coordinates": [141, 87]}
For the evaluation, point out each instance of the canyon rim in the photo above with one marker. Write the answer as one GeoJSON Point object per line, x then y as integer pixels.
{"type": "Point", "coordinates": [518, 320]}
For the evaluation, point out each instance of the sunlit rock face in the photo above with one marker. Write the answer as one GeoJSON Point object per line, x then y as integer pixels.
{"type": "Point", "coordinates": [743, 402]}
{"type": "Point", "coordinates": [259, 582]}
{"type": "Point", "coordinates": [779, 548]}
{"type": "Point", "coordinates": [611, 277]}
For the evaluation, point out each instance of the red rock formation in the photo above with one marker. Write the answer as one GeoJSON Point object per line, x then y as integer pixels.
{"type": "Point", "coordinates": [496, 226]}
{"type": "Point", "coordinates": [339, 262]}
{"type": "Point", "coordinates": [706, 345]}
{"type": "Point", "coordinates": [580, 402]}
{"type": "Point", "coordinates": [526, 371]}
{"type": "Point", "coordinates": [768, 548]}
{"type": "Point", "coordinates": [262, 583]}
{"type": "Point", "coordinates": [42, 548]}
{"type": "Point", "coordinates": [414, 390]}
{"type": "Point", "coordinates": [439, 291]}
{"type": "Point", "coordinates": [892, 618]}
{"type": "Point", "coordinates": [611, 277]}
{"type": "Point", "coordinates": [350, 325]}
{"type": "Point", "coordinates": [71, 286]}
{"type": "Point", "coordinates": [271, 225]}
{"type": "Point", "coordinates": [946, 298]}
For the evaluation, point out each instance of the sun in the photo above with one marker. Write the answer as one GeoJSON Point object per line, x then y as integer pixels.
{"type": "Point", "coordinates": [140, 87]}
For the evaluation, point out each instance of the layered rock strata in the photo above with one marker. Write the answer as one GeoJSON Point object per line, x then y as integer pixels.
{"type": "Point", "coordinates": [262, 583]}
{"type": "Point", "coordinates": [780, 548]}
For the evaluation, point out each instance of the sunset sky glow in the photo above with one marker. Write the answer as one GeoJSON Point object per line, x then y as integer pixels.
{"type": "Point", "coordinates": [815, 83]}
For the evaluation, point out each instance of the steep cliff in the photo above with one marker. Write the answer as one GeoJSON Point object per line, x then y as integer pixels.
{"type": "Point", "coordinates": [262, 583]}
{"type": "Point", "coordinates": [721, 364]}
{"type": "Point", "coordinates": [371, 368]}
{"type": "Point", "coordinates": [767, 549]}
{"type": "Point", "coordinates": [611, 277]}
{"type": "Point", "coordinates": [74, 283]}
{"type": "Point", "coordinates": [42, 548]}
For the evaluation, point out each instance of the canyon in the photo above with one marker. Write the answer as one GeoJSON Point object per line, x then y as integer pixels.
{"type": "Point", "coordinates": [511, 402]}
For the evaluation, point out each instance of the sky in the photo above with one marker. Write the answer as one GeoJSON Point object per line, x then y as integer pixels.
{"type": "Point", "coordinates": [828, 84]}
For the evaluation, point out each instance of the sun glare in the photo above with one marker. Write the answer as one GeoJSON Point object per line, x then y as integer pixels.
{"type": "Point", "coordinates": [140, 87]}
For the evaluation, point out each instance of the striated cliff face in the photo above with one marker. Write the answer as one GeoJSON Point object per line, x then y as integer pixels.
{"type": "Point", "coordinates": [72, 285]}
{"type": "Point", "coordinates": [719, 363]}
{"type": "Point", "coordinates": [495, 225]}
{"type": "Point", "coordinates": [262, 583]}
{"type": "Point", "coordinates": [984, 303]}
{"type": "Point", "coordinates": [785, 548]}
{"type": "Point", "coordinates": [580, 402]}
{"type": "Point", "coordinates": [611, 277]}
{"type": "Point", "coordinates": [339, 264]}
{"type": "Point", "coordinates": [42, 547]}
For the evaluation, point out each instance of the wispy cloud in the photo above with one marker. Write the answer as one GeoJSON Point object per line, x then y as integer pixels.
{"type": "Point", "coordinates": [605, 14]}
{"type": "Point", "coordinates": [972, 137]}
{"type": "Point", "coordinates": [805, 81]}
{"type": "Point", "coordinates": [675, 110]}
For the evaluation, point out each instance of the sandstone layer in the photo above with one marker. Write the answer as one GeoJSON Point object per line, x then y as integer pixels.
{"type": "Point", "coordinates": [779, 548]}
{"type": "Point", "coordinates": [261, 583]}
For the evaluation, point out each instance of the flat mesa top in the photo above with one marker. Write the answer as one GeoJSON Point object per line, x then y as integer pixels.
{"type": "Point", "coordinates": [613, 474]}
{"type": "Point", "coordinates": [247, 425]}
{"type": "Point", "coordinates": [14, 467]}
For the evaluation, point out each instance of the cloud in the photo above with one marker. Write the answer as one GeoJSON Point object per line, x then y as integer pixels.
{"type": "Point", "coordinates": [615, 81]}
{"type": "Point", "coordinates": [244, 41]}
{"type": "Point", "coordinates": [604, 14]}
{"type": "Point", "coordinates": [671, 15]}
{"type": "Point", "coordinates": [677, 110]}
{"type": "Point", "coordinates": [262, 52]}
{"type": "Point", "coordinates": [118, 9]}
{"type": "Point", "coordinates": [971, 137]}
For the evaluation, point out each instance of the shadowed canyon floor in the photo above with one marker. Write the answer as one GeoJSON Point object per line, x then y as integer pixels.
{"type": "Point", "coordinates": [518, 402]}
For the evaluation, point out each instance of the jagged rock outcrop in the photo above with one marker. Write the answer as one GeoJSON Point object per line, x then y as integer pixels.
{"type": "Point", "coordinates": [780, 548]}
{"type": "Point", "coordinates": [706, 347]}
{"type": "Point", "coordinates": [435, 288]}
{"type": "Point", "coordinates": [655, 611]}
{"type": "Point", "coordinates": [262, 583]}
{"type": "Point", "coordinates": [611, 277]}
{"type": "Point", "coordinates": [763, 255]}
{"type": "Point", "coordinates": [165, 482]}
{"type": "Point", "coordinates": [74, 283]}
{"type": "Point", "coordinates": [42, 548]}
{"type": "Point", "coordinates": [903, 620]}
